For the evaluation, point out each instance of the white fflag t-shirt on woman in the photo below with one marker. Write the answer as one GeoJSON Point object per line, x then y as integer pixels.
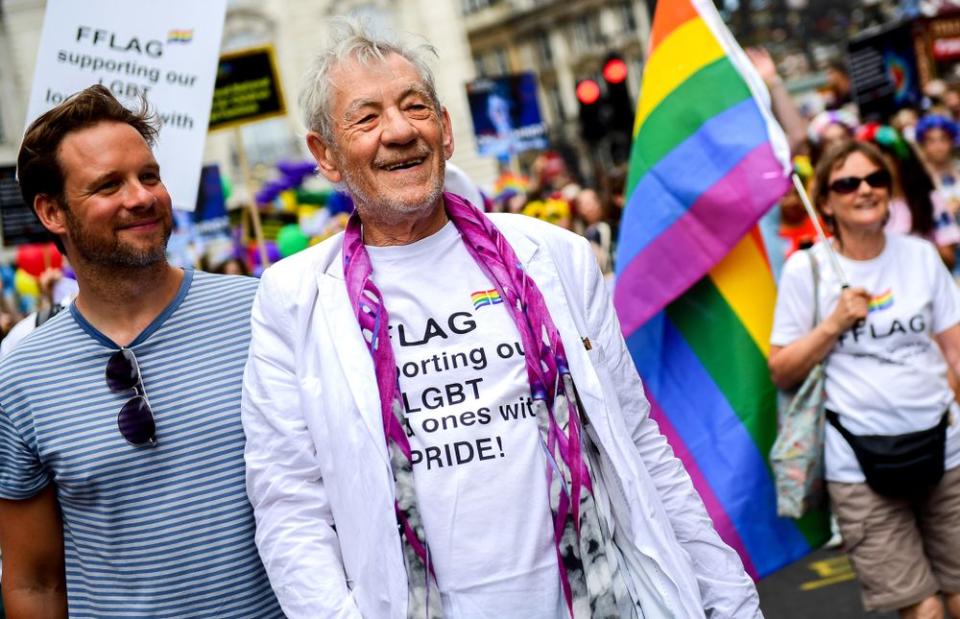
{"type": "Point", "coordinates": [887, 375]}
{"type": "Point", "coordinates": [479, 470]}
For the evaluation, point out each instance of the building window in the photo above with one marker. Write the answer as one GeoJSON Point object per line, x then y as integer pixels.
{"type": "Point", "coordinates": [587, 34]}
{"type": "Point", "coordinates": [478, 67]}
{"type": "Point", "coordinates": [541, 41]}
{"type": "Point", "coordinates": [472, 6]}
{"type": "Point", "coordinates": [625, 17]}
{"type": "Point", "coordinates": [491, 63]}
{"type": "Point", "coordinates": [636, 75]}
{"type": "Point", "coordinates": [494, 63]}
{"type": "Point", "coordinates": [503, 66]}
{"type": "Point", "coordinates": [555, 101]}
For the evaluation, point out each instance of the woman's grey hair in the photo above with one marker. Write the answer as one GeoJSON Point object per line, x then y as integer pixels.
{"type": "Point", "coordinates": [353, 39]}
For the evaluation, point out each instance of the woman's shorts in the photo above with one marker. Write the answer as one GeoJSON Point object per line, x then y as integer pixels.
{"type": "Point", "coordinates": [902, 551]}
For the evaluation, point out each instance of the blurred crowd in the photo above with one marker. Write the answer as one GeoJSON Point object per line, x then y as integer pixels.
{"type": "Point", "coordinates": [918, 143]}
{"type": "Point", "coordinates": [553, 193]}
{"type": "Point", "coordinates": [35, 288]}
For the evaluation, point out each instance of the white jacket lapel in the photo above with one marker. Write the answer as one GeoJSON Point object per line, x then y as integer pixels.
{"type": "Point", "coordinates": [541, 268]}
{"type": "Point", "coordinates": [352, 352]}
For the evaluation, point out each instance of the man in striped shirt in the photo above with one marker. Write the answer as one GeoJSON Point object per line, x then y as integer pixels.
{"type": "Point", "coordinates": [121, 449]}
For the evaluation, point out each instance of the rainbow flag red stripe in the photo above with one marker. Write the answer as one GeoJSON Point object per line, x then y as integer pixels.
{"type": "Point", "coordinates": [694, 292]}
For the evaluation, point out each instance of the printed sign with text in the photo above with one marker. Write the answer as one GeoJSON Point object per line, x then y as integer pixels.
{"type": "Point", "coordinates": [18, 224]}
{"type": "Point", "coordinates": [247, 89]}
{"type": "Point", "coordinates": [166, 52]}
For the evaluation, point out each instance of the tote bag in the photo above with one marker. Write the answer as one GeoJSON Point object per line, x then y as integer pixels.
{"type": "Point", "coordinates": [797, 453]}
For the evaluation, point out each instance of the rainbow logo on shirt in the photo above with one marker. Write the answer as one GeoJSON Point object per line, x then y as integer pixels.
{"type": "Point", "coordinates": [180, 36]}
{"type": "Point", "coordinates": [485, 297]}
{"type": "Point", "coordinates": [881, 301]}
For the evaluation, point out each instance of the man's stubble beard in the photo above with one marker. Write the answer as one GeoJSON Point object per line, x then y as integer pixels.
{"type": "Point", "coordinates": [386, 209]}
{"type": "Point", "coordinates": [116, 254]}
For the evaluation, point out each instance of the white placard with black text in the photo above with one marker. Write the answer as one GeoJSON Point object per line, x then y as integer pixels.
{"type": "Point", "coordinates": [167, 51]}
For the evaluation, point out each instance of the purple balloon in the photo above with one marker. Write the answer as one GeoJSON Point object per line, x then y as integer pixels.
{"type": "Point", "coordinates": [286, 182]}
{"type": "Point", "coordinates": [297, 169]}
{"type": "Point", "coordinates": [273, 252]}
{"type": "Point", "coordinates": [253, 255]}
{"type": "Point", "coordinates": [266, 195]}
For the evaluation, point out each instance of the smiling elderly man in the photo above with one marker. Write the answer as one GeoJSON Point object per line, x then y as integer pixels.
{"type": "Point", "coordinates": [442, 417]}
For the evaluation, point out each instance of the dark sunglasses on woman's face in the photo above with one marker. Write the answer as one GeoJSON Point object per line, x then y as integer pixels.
{"type": "Point", "coordinates": [848, 184]}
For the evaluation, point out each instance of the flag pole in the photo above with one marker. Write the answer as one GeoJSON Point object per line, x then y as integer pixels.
{"type": "Point", "coordinates": [834, 261]}
{"type": "Point", "coordinates": [252, 206]}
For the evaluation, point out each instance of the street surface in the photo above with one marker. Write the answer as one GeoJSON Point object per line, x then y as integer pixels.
{"type": "Point", "coordinates": [821, 586]}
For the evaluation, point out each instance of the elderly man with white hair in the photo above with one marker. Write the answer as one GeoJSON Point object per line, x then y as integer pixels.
{"type": "Point", "coordinates": [442, 417]}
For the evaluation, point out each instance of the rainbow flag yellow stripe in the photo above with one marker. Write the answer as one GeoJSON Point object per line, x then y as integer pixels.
{"type": "Point", "coordinates": [485, 297]}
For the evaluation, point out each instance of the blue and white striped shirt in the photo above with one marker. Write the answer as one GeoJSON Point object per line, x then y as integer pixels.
{"type": "Point", "coordinates": [162, 531]}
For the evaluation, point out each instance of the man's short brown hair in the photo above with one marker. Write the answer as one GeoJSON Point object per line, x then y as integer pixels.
{"type": "Point", "coordinates": [38, 168]}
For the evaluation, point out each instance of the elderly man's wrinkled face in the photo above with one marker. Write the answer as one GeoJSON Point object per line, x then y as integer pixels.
{"type": "Point", "coordinates": [390, 141]}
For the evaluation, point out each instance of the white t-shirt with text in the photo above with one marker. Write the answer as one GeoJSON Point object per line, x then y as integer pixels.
{"type": "Point", "coordinates": [887, 375]}
{"type": "Point", "coordinates": [479, 469]}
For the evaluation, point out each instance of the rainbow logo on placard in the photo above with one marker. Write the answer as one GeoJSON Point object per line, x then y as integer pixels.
{"type": "Point", "coordinates": [485, 297]}
{"type": "Point", "coordinates": [180, 36]}
{"type": "Point", "coordinates": [881, 301]}
{"type": "Point", "coordinates": [900, 74]}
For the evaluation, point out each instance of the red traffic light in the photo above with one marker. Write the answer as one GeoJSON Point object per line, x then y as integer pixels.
{"type": "Point", "coordinates": [615, 71]}
{"type": "Point", "coordinates": [588, 92]}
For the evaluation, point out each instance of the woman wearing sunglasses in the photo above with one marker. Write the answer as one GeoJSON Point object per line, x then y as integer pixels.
{"type": "Point", "coordinates": [892, 457]}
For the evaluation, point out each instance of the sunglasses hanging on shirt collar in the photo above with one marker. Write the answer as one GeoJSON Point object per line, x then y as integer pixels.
{"type": "Point", "coordinates": [135, 418]}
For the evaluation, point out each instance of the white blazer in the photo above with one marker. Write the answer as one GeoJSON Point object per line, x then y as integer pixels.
{"type": "Point", "coordinates": [319, 478]}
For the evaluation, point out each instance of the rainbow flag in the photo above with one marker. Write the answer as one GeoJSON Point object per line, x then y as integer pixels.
{"type": "Point", "coordinates": [180, 36]}
{"type": "Point", "coordinates": [694, 291]}
{"type": "Point", "coordinates": [485, 297]}
{"type": "Point", "coordinates": [707, 158]}
{"type": "Point", "coordinates": [508, 180]}
{"type": "Point", "coordinates": [881, 301]}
